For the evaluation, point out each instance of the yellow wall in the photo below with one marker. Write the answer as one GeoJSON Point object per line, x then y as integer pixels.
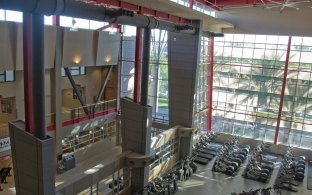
{"type": "Point", "coordinates": [6, 117]}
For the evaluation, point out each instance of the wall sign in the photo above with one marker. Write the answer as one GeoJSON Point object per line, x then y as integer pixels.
{"type": "Point", "coordinates": [5, 144]}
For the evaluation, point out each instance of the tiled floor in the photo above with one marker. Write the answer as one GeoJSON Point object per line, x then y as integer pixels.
{"type": "Point", "coordinates": [206, 182]}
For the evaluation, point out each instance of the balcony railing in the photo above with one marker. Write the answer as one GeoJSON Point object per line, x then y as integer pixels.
{"type": "Point", "coordinates": [87, 137]}
{"type": "Point", "coordinates": [75, 115]}
{"type": "Point", "coordinates": [160, 118]}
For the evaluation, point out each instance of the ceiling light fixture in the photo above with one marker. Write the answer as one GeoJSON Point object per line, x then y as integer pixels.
{"type": "Point", "coordinates": [281, 6]}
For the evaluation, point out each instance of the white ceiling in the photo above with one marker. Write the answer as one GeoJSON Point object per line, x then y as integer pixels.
{"type": "Point", "coordinates": [209, 23]}
{"type": "Point", "coordinates": [259, 20]}
{"type": "Point", "coordinates": [246, 20]}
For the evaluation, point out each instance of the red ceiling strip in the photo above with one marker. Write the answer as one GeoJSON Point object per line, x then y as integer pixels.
{"type": "Point", "coordinates": [147, 11]}
{"type": "Point", "coordinates": [115, 3]}
{"type": "Point", "coordinates": [174, 18]}
{"type": "Point", "coordinates": [160, 14]}
{"type": "Point", "coordinates": [129, 6]}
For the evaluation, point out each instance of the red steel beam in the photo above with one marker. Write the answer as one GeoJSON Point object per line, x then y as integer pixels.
{"type": "Point", "coordinates": [118, 28]}
{"type": "Point", "coordinates": [210, 83]}
{"type": "Point", "coordinates": [27, 61]}
{"type": "Point", "coordinates": [143, 10]}
{"type": "Point", "coordinates": [56, 20]}
{"type": "Point", "coordinates": [211, 4]}
{"type": "Point", "coordinates": [129, 6]}
{"type": "Point", "coordinates": [191, 2]}
{"type": "Point", "coordinates": [137, 65]}
{"type": "Point", "coordinates": [282, 92]}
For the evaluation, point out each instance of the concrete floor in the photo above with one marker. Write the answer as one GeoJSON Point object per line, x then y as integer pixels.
{"type": "Point", "coordinates": [207, 182]}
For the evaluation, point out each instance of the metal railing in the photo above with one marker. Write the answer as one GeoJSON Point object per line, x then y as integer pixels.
{"type": "Point", "coordinates": [84, 138]}
{"type": "Point", "coordinates": [160, 118]}
{"type": "Point", "coordinates": [93, 109]}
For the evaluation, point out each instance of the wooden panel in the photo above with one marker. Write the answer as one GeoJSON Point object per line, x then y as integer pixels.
{"type": "Point", "coordinates": [108, 46]}
{"type": "Point", "coordinates": [78, 48]}
{"type": "Point", "coordinates": [7, 46]}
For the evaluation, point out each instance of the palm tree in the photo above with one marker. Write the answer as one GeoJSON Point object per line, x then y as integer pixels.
{"type": "Point", "coordinates": [158, 48]}
{"type": "Point", "coordinates": [261, 89]}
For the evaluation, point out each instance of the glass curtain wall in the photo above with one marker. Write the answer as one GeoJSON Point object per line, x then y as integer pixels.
{"type": "Point", "coordinates": [127, 66]}
{"type": "Point", "coordinates": [158, 75]}
{"type": "Point", "coordinates": [197, 6]}
{"type": "Point", "coordinates": [158, 71]}
{"type": "Point", "coordinates": [248, 74]}
{"type": "Point", "coordinates": [296, 120]}
{"type": "Point", "coordinates": [127, 60]}
{"type": "Point", "coordinates": [201, 96]}
{"type": "Point", "coordinates": [247, 84]}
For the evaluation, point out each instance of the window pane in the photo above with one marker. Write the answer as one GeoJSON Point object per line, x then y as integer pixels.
{"type": "Point", "coordinates": [14, 16]}
{"type": "Point", "coordinates": [82, 70]}
{"type": "Point", "coordinates": [81, 23]}
{"type": "Point", "coordinates": [1, 14]}
{"type": "Point", "coordinates": [9, 75]}
{"type": "Point", "coordinates": [66, 21]}
{"type": "Point", "coordinates": [74, 72]}
{"type": "Point", "coordinates": [63, 72]}
{"type": "Point", "coordinates": [96, 24]}
{"type": "Point", "coordinates": [48, 20]}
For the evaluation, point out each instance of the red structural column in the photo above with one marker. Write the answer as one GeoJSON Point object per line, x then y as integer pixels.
{"type": "Point", "coordinates": [118, 27]}
{"type": "Point", "coordinates": [56, 20]}
{"type": "Point", "coordinates": [191, 3]}
{"type": "Point", "coordinates": [137, 65]}
{"type": "Point", "coordinates": [210, 83]}
{"type": "Point", "coordinates": [282, 92]}
{"type": "Point", "coordinates": [27, 61]}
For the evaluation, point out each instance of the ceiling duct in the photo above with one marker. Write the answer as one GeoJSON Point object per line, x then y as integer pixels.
{"type": "Point", "coordinates": [81, 9]}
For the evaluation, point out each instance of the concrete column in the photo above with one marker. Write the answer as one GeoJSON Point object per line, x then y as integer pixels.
{"type": "Point", "coordinates": [186, 141]}
{"type": "Point", "coordinates": [136, 123]}
{"type": "Point", "coordinates": [183, 58]}
{"type": "Point", "coordinates": [32, 161]}
{"type": "Point", "coordinates": [56, 92]}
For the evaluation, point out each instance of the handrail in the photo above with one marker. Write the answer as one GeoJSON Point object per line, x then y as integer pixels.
{"type": "Point", "coordinates": [78, 112]}
{"type": "Point", "coordinates": [96, 104]}
{"type": "Point", "coordinates": [160, 118]}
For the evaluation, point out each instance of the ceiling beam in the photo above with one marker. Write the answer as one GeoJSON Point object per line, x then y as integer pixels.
{"type": "Point", "coordinates": [144, 11]}
{"type": "Point", "coordinates": [228, 3]}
